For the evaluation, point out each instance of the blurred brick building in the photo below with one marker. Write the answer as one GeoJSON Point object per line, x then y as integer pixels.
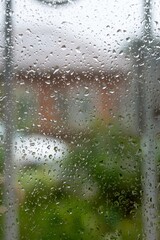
{"type": "Point", "coordinates": [65, 103]}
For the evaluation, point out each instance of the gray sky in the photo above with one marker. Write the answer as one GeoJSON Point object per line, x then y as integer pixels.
{"type": "Point", "coordinates": [85, 28]}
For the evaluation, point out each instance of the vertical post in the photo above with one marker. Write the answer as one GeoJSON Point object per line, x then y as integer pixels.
{"type": "Point", "coordinates": [150, 207]}
{"type": "Point", "coordinates": [10, 221]}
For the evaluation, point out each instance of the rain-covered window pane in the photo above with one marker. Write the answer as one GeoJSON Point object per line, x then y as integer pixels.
{"type": "Point", "coordinates": [79, 119]}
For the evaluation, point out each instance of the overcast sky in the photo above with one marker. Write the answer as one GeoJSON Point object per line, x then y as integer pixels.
{"type": "Point", "coordinates": [103, 25]}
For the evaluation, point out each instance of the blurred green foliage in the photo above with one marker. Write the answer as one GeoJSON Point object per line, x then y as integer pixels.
{"type": "Point", "coordinates": [97, 197]}
{"type": "Point", "coordinates": [110, 160]}
{"type": "Point", "coordinates": [69, 218]}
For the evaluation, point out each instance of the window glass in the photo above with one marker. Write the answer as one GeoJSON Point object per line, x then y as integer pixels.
{"type": "Point", "coordinates": [79, 119]}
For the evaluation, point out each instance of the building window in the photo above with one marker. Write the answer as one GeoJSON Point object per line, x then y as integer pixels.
{"type": "Point", "coordinates": [26, 108]}
{"type": "Point", "coordinates": [81, 108]}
